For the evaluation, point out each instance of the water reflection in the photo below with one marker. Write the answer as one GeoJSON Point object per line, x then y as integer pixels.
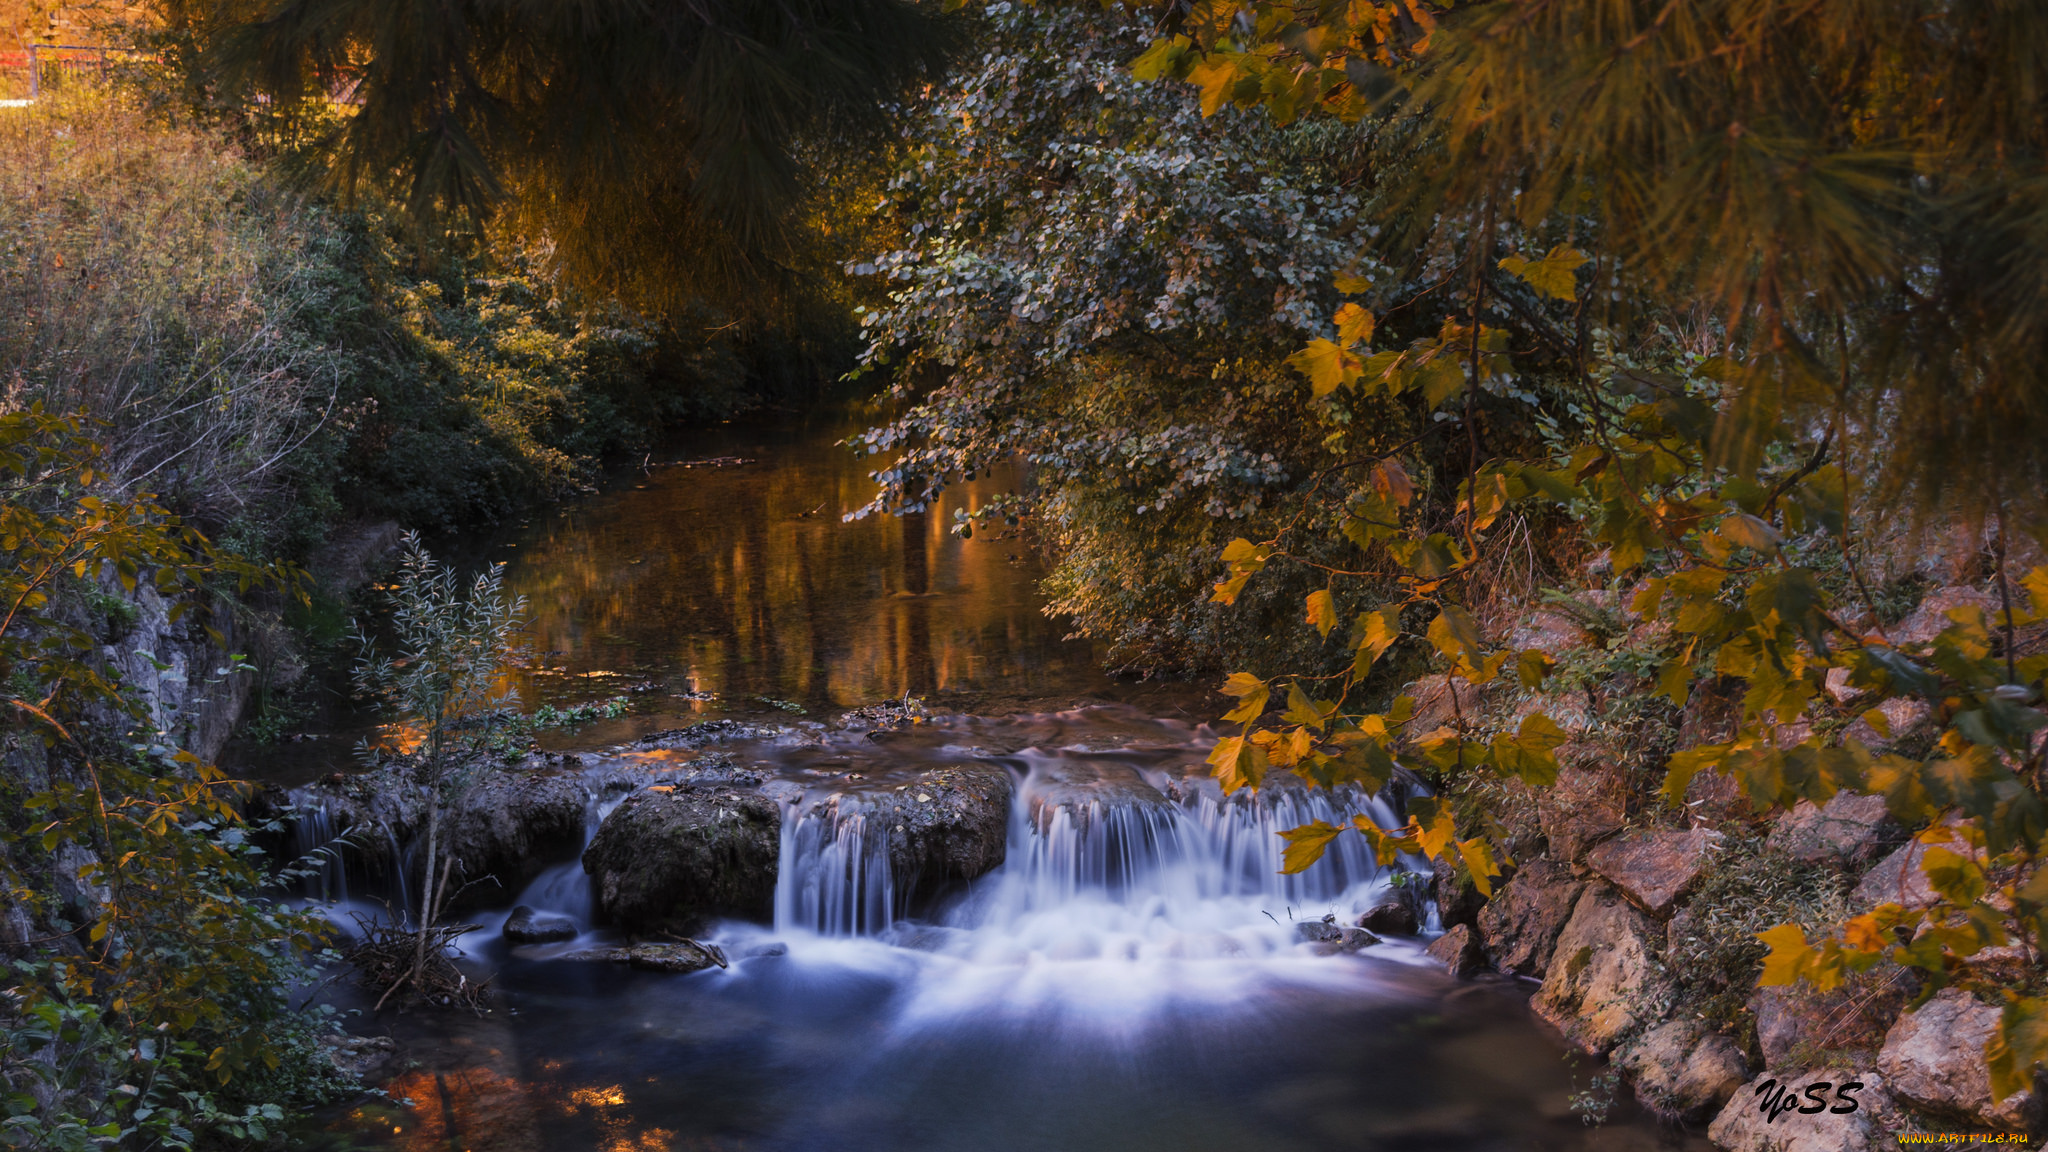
{"type": "Point", "coordinates": [740, 579]}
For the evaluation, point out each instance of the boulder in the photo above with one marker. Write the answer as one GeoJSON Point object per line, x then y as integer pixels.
{"type": "Point", "coordinates": [1458, 951]}
{"type": "Point", "coordinates": [1897, 879]}
{"type": "Point", "coordinates": [1457, 899]}
{"type": "Point", "coordinates": [1520, 924]}
{"type": "Point", "coordinates": [666, 859]}
{"type": "Point", "coordinates": [1849, 830]}
{"type": "Point", "coordinates": [1588, 803]}
{"type": "Point", "coordinates": [515, 823]}
{"type": "Point", "coordinates": [1904, 717]}
{"type": "Point", "coordinates": [1681, 1071]}
{"type": "Point", "coordinates": [1798, 1023]}
{"type": "Point", "coordinates": [1331, 938]}
{"type": "Point", "coordinates": [1604, 980]}
{"type": "Point", "coordinates": [1392, 918]}
{"type": "Point", "coordinates": [1934, 1058]}
{"type": "Point", "coordinates": [1440, 700]}
{"type": "Point", "coordinates": [1749, 1123]}
{"type": "Point", "coordinates": [950, 823]}
{"type": "Point", "coordinates": [681, 956]}
{"type": "Point", "coordinates": [369, 1060]}
{"type": "Point", "coordinates": [525, 926]}
{"type": "Point", "coordinates": [1931, 618]}
{"type": "Point", "coordinates": [1655, 869]}
{"type": "Point", "coordinates": [1085, 790]}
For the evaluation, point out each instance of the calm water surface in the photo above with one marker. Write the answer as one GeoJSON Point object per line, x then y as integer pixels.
{"type": "Point", "coordinates": [1041, 1010]}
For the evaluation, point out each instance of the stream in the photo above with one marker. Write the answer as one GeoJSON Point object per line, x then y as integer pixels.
{"type": "Point", "coordinates": [1132, 977]}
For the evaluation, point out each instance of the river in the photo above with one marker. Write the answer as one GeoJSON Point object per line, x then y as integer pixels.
{"type": "Point", "coordinates": [1127, 981]}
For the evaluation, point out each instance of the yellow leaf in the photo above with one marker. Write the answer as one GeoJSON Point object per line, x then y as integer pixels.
{"type": "Point", "coordinates": [1553, 275]}
{"type": "Point", "coordinates": [1354, 325]}
{"type": "Point", "coordinates": [1326, 365]}
{"type": "Point", "coordinates": [1455, 635]}
{"type": "Point", "coordinates": [1479, 858]}
{"type": "Point", "coordinates": [1239, 763]}
{"type": "Point", "coordinates": [1790, 955]}
{"type": "Point", "coordinates": [1305, 845]}
{"type": "Point", "coordinates": [1749, 532]}
{"type": "Point", "coordinates": [1322, 611]}
{"type": "Point", "coordinates": [1251, 694]}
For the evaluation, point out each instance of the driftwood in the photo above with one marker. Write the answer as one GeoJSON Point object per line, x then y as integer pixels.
{"type": "Point", "coordinates": [391, 957]}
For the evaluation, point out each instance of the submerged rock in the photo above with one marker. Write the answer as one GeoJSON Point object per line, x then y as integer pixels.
{"type": "Point", "coordinates": [667, 859]}
{"type": "Point", "coordinates": [525, 926]}
{"type": "Point", "coordinates": [681, 956]}
{"type": "Point", "coordinates": [1331, 938]}
{"type": "Point", "coordinates": [1085, 789]}
{"type": "Point", "coordinates": [1681, 1071]}
{"type": "Point", "coordinates": [1934, 1058]}
{"type": "Point", "coordinates": [1458, 951]}
{"type": "Point", "coordinates": [1521, 923]}
{"type": "Point", "coordinates": [1654, 869]}
{"type": "Point", "coordinates": [1604, 980]}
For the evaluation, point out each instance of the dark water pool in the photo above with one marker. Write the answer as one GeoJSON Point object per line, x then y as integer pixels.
{"type": "Point", "coordinates": [1175, 1011]}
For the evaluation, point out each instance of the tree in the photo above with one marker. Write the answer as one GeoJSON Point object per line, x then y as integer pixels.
{"type": "Point", "coordinates": [446, 677]}
{"type": "Point", "coordinates": [1849, 194]}
{"type": "Point", "coordinates": [661, 152]}
{"type": "Point", "coordinates": [167, 971]}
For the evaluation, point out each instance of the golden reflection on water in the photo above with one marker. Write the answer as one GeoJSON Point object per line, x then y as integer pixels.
{"type": "Point", "coordinates": [477, 1109]}
{"type": "Point", "coordinates": [743, 580]}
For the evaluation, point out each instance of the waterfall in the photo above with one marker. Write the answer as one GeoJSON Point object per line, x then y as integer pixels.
{"type": "Point", "coordinates": [1196, 875]}
{"type": "Point", "coordinates": [833, 876]}
{"type": "Point", "coordinates": [312, 842]}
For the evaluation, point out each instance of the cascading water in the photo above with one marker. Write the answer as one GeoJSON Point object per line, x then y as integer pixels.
{"type": "Point", "coordinates": [1113, 891]}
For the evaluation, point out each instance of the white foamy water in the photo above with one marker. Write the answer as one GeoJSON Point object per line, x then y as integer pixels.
{"type": "Point", "coordinates": [1116, 900]}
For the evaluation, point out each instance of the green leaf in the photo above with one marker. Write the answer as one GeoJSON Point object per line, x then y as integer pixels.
{"type": "Point", "coordinates": [1684, 765]}
{"type": "Point", "coordinates": [1161, 60]}
{"type": "Point", "coordinates": [1305, 845]}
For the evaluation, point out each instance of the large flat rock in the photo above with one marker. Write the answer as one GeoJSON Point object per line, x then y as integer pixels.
{"type": "Point", "coordinates": [1655, 869]}
{"type": "Point", "coordinates": [1604, 981]}
{"type": "Point", "coordinates": [1934, 1058]}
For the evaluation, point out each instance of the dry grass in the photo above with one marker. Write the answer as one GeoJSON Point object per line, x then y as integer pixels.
{"type": "Point", "coordinates": [146, 279]}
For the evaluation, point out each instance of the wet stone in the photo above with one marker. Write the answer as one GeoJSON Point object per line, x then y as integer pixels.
{"type": "Point", "coordinates": [525, 926]}
{"type": "Point", "coordinates": [1458, 951]}
{"type": "Point", "coordinates": [1393, 918]}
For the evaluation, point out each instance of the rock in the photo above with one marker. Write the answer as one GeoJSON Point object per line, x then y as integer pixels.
{"type": "Point", "coordinates": [1457, 900]}
{"type": "Point", "coordinates": [682, 956]}
{"type": "Point", "coordinates": [368, 1059]}
{"type": "Point", "coordinates": [1318, 931]}
{"type": "Point", "coordinates": [1897, 879]}
{"type": "Point", "coordinates": [950, 823]}
{"type": "Point", "coordinates": [1441, 699]}
{"type": "Point", "coordinates": [1934, 1058]}
{"type": "Point", "coordinates": [1603, 979]}
{"type": "Point", "coordinates": [1931, 618]}
{"type": "Point", "coordinates": [1744, 1125]}
{"type": "Point", "coordinates": [1681, 1071]}
{"type": "Point", "coordinates": [1458, 951]}
{"type": "Point", "coordinates": [1393, 918]}
{"type": "Point", "coordinates": [1520, 924]}
{"type": "Point", "coordinates": [1850, 829]}
{"type": "Point", "coordinates": [1588, 803]}
{"type": "Point", "coordinates": [515, 823]}
{"type": "Point", "coordinates": [1551, 630]}
{"type": "Point", "coordinates": [667, 859]}
{"type": "Point", "coordinates": [1903, 716]}
{"type": "Point", "coordinates": [1798, 1023]}
{"type": "Point", "coordinates": [1655, 869]}
{"type": "Point", "coordinates": [525, 926]}
{"type": "Point", "coordinates": [1843, 693]}
{"type": "Point", "coordinates": [1085, 790]}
